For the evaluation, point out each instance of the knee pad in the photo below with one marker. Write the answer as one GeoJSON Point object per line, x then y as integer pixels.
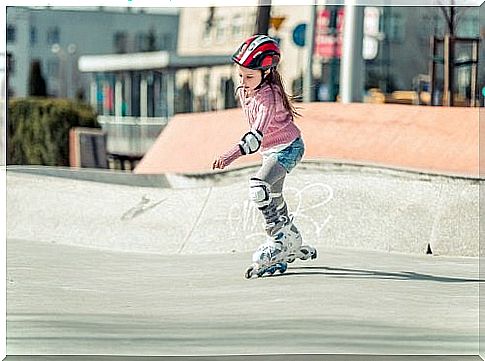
{"type": "Point", "coordinates": [260, 192]}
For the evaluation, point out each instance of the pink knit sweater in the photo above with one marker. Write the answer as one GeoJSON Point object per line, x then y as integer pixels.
{"type": "Point", "coordinates": [266, 113]}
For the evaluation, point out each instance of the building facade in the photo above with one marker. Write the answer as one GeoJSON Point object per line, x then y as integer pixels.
{"type": "Point", "coordinates": [57, 37]}
{"type": "Point", "coordinates": [396, 46]}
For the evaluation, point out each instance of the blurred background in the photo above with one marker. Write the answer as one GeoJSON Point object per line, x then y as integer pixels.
{"type": "Point", "coordinates": [95, 86]}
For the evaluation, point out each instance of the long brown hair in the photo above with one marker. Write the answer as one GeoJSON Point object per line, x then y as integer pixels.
{"type": "Point", "coordinates": [274, 78]}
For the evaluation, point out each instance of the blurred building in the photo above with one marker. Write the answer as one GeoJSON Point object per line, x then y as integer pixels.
{"type": "Point", "coordinates": [396, 47]}
{"type": "Point", "coordinates": [403, 53]}
{"type": "Point", "coordinates": [140, 67]}
{"type": "Point", "coordinates": [58, 36]}
{"type": "Point", "coordinates": [220, 30]}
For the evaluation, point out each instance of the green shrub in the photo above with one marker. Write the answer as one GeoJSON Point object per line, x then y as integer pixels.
{"type": "Point", "coordinates": [38, 129]}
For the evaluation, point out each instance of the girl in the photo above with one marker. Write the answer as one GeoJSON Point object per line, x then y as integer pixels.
{"type": "Point", "coordinates": [272, 131]}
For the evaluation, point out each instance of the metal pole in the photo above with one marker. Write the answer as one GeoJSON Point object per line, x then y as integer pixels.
{"type": "Point", "coordinates": [474, 74]}
{"type": "Point", "coordinates": [93, 91]}
{"type": "Point", "coordinates": [263, 16]}
{"type": "Point", "coordinates": [432, 69]}
{"type": "Point", "coordinates": [310, 43]}
{"type": "Point", "coordinates": [143, 96]}
{"type": "Point", "coordinates": [447, 68]}
{"type": "Point", "coordinates": [170, 95]}
{"type": "Point", "coordinates": [352, 66]}
{"type": "Point", "coordinates": [118, 95]}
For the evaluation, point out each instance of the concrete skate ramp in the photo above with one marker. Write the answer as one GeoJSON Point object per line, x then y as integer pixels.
{"type": "Point", "coordinates": [431, 139]}
{"type": "Point", "coordinates": [335, 205]}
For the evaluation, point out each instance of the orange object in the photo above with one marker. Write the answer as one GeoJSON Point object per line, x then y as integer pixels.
{"type": "Point", "coordinates": [430, 139]}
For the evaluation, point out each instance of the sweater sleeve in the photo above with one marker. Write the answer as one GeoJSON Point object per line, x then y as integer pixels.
{"type": "Point", "coordinates": [231, 155]}
{"type": "Point", "coordinates": [235, 152]}
{"type": "Point", "coordinates": [265, 112]}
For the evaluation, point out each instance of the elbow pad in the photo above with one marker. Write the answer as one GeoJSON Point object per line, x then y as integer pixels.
{"type": "Point", "coordinates": [251, 142]}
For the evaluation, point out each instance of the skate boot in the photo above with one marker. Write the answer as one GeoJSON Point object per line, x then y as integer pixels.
{"type": "Point", "coordinates": [292, 242]}
{"type": "Point", "coordinates": [268, 258]}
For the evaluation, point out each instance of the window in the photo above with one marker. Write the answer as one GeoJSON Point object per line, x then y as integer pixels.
{"type": "Point", "coordinates": [237, 25]}
{"type": "Point", "coordinates": [10, 64]}
{"type": "Point", "coordinates": [428, 28]}
{"type": "Point", "coordinates": [33, 35]}
{"type": "Point", "coordinates": [438, 23]}
{"type": "Point", "coordinates": [120, 42]}
{"type": "Point", "coordinates": [396, 28]}
{"type": "Point", "coordinates": [53, 68]}
{"type": "Point", "coordinates": [53, 36]}
{"type": "Point", "coordinates": [166, 42]}
{"type": "Point", "coordinates": [141, 42]}
{"type": "Point", "coordinates": [221, 27]}
{"type": "Point", "coordinates": [11, 33]}
{"type": "Point", "coordinates": [469, 27]}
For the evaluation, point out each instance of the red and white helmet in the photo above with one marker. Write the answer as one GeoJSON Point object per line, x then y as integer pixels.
{"type": "Point", "coordinates": [259, 52]}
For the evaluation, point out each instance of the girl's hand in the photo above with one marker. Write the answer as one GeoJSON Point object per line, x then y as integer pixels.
{"type": "Point", "coordinates": [218, 163]}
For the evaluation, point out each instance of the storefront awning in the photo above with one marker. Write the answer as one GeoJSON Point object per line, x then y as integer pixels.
{"type": "Point", "coordinates": [148, 61]}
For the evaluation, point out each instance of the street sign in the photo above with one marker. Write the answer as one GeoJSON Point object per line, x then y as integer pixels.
{"type": "Point", "coordinates": [327, 44]}
{"type": "Point", "coordinates": [276, 21]}
{"type": "Point", "coordinates": [299, 34]}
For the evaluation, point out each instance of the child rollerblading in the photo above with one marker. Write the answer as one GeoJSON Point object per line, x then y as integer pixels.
{"type": "Point", "coordinates": [274, 134]}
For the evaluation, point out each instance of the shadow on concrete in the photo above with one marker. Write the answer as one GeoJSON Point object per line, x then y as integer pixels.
{"type": "Point", "coordinates": [357, 273]}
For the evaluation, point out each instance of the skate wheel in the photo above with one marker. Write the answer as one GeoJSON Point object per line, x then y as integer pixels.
{"type": "Point", "coordinates": [305, 253]}
{"type": "Point", "coordinates": [283, 267]}
{"type": "Point", "coordinates": [249, 272]}
{"type": "Point", "coordinates": [291, 258]}
{"type": "Point", "coordinates": [314, 255]}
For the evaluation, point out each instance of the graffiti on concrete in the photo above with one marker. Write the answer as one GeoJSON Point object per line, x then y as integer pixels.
{"type": "Point", "coordinates": [310, 206]}
{"type": "Point", "coordinates": [306, 204]}
{"type": "Point", "coordinates": [143, 206]}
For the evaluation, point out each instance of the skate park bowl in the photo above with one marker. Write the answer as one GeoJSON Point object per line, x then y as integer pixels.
{"type": "Point", "coordinates": [335, 205]}
{"type": "Point", "coordinates": [399, 179]}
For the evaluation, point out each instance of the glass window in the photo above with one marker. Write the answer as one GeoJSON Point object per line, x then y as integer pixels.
{"type": "Point", "coordinates": [53, 68]}
{"type": "Point", "coordinates": [237, 25]}
{"type": "Point", "coordinates": [53, 35]}
{"type": "Point", "coordinates": [10, 64]}
{"type": "Point", "coordinates": [396, 28]}
{"type": "Point", "coordinates": [33, 35]}
{"type": "Point", "coordinates": [120, 42]}
{"type": "Point", "coordinates": [141, 42]}
{"type": "Point", "coordinates": [469, 27]}
{"type": "Point", "coordinates": [166, 42]}
{"type": "Point", "coordinates": [11, 33]}
{"type": "Point", "coordinates": [221, 27]}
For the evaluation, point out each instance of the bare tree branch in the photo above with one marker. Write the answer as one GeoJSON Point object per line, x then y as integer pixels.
{"type": "Point", "coordinates": [447, 16]}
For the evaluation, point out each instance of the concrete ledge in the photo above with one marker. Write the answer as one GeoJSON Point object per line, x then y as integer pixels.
{"type": "Point", "coordinates": [224, 177]}
{"type": "Point", "coordinates": [334, 206]}
{"type": "Point", "coordinates": [94, 175]}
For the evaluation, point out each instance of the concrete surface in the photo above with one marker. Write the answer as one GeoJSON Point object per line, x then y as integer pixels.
{"type": "Point", "coordinates": [98, 268]}
{"type": "Point", "coordinates": [73, 300]}
{"type": "Point", "coordinates": [334, 206]}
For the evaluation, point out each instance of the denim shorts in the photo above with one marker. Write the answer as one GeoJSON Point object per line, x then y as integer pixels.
{"type": "Point", "coordinates": [291, 155]}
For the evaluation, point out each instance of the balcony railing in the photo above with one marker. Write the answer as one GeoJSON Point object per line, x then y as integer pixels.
{"type": "Point", "coordinates": [131, 136]}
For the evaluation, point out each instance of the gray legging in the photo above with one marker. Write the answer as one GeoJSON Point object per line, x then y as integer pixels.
{"type": "Point", "coordinates": [273, 173]}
